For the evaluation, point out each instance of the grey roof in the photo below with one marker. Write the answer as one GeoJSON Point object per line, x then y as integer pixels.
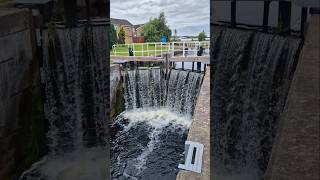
{"type": "Point", "coordinates": [120, 21]}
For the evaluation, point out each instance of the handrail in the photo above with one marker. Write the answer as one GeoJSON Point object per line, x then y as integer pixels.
{"type": "Point", "coordinates": [184, 48]}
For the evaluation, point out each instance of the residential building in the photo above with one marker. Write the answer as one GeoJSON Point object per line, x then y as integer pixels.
{"type": "Point", "coordinates": [138, 33]}
{"type": "Point", "coordinates": [128, 27]}
{"type": "Point", "coordinates": [133, 32]}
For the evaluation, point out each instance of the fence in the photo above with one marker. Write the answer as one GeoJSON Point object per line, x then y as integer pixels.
{"type": "Point", "coordinates": [183, 48]}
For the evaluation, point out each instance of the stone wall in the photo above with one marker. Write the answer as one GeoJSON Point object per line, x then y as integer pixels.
{"type": "Point", "coordinates": [200, 131]}
{"type": "Point", "coordinates": [116, 91]}
{"type": "Point", "coordinates": [22, 128]}
{"type": "Point", "coordinates": [295, 155]}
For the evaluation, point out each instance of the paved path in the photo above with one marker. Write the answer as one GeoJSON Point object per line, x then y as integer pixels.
{"type": "Point", "coordinates": [295, 154]}
{"type": "Point", "coordinates": [200, 131]}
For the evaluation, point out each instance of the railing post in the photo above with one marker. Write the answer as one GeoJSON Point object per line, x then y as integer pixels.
{"type": "Point", "coordinates": [167, 64]}
{"type": "Point", "coordinates": [195, 45]}
{"type": "Point", "coordinates": [155, 49]}
{"type": "Point", "coordinates": [142, 49]}
{"type": "Point", "coordinates": [284, 18]}
{"type": "Point", "coordinates": [266, 7]}
{"type": "Point", "coordinates": [173, 49]}
{"type": "Point", "coordinates": [199, 66]}
{"type": "Point", "coordinates": [134, 51]}
{"type": "Point", "coordinates": [233, 13]}
{"type": "Point", "coordinates": [304, 13]}
{"type": "Point", "coordinates": [183, 49]}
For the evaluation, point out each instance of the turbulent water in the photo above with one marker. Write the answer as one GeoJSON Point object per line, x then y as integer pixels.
{"type": "Point", "coordinates": [148, 138]}
{"type": "Point", "coordinates": [251, 81]}
{"type": "Point", "coordinates": [148, 144]}
{"type": "Point", "coordinates": [75, 80]}
{"type": "Point", "coordinates": [146, 88]}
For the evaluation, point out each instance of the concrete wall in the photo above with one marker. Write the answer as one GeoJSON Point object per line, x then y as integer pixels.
{"type": "Point", "coordinates": [295, 155]}
{"type": "Point", "coordinates": [21, 120]}
{"type": "Point", "coordinates": [200, 131]}
{"type": "Point", "coordinates": [116, 91]}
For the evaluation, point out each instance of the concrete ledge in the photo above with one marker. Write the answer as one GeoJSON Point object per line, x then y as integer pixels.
{"type": "Point", "coordinates": [200, 131]}
{"type": "Point", "coordinates": [295, 154]}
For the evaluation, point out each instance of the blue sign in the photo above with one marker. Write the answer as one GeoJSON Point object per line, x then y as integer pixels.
{"type": "Point", "coordinates": [164, 39]}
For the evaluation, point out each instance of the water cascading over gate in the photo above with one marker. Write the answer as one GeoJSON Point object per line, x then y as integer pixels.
{"type": "Point", "coordinates": [147, 88]}
{"type": "Point", "coordinates": [147, 139]}
{"type": "Point", "coordinates": [252, 75]}
{"type": "Point", "coordinates": [75, 80]}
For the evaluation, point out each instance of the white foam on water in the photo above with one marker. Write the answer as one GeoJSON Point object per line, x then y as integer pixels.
{"type": "Point", "coordinates": [157, 119]}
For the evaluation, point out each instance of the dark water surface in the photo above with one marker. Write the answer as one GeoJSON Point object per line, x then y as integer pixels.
{"type": "Point", "coordinates": [148, 144]}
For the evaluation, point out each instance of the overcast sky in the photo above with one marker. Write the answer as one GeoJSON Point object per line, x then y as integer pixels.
{"type": "Point", "coordinates": [189, 17]}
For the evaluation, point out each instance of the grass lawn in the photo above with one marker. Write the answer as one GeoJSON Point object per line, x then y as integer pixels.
{"type": "Point", "coordinates": [123, 50]}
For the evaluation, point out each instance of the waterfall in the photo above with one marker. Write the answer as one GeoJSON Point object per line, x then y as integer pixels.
{"type": "Point", "coordinates": [147, 88]}
{"type": "Point", "coordinates": [252, 73]}
{"type": "Point", "coordinates": [75, 80]}
{"type": "Point", "coordinates": [74, 76]}
{"type": "Point", "coordinates": [147, 139]}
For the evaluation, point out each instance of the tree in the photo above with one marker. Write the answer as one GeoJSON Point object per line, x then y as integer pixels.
{"type": "Point", "coordinates": [112, 36]}
{"type": "Point", "coordinates": [202, 36]}
{"type": "Point", "coordinates": [121, 36]}
{"type": "Point", "coordinates": [156, 28]}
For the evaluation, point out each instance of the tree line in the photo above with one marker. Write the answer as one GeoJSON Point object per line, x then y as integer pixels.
{"type": "Point", "coordinates": [153, 31]}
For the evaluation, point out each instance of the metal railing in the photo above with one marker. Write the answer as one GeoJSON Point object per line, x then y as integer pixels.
{"type": "Point", "coordinates": [157, 49]}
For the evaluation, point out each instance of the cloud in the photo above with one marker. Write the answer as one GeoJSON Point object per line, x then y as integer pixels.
{"type": "Point", "coordinates": [189, 17]}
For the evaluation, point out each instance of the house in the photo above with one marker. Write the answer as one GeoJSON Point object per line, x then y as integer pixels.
{"type": "Point", "coordinates": [133, 32]}
{"type": "Point", "coordinates": [138, 33]}
{"type": "Point", "coordinates": [128, 27]}
{"type": "Point", "coordinates": [138, 30]}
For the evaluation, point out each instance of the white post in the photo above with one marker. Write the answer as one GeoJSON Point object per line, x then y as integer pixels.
{"type": "Point", "coordinates": [148, 48]}
{"type": "Point", "coordinates": [134, 53]}
{"type": "Point", "coordinates": [142, 49]}
{"type": "Point", "coordinates": [172, 49]}
{"type": "Point", "coordinates": [183, 49]}
{"type": "Point", "coordinates": [155, 49]}
{"type": "Point", "coordinates": [161, 48]}
{"type": "Point", "coordinates": [196, 48]}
